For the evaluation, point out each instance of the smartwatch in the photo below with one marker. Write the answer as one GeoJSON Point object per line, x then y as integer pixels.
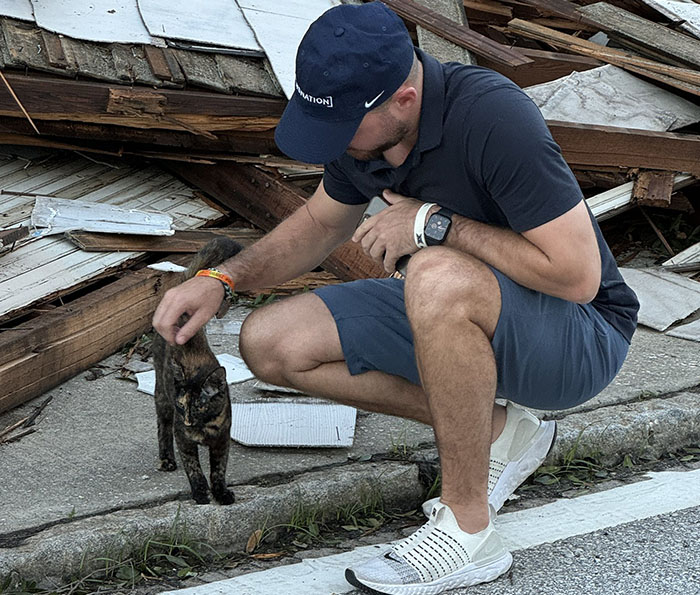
{"type": "Point", "coordinates": [437, 226]}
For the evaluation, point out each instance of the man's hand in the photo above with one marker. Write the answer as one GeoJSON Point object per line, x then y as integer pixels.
{"type": "Point", "coordinates": [388, 235]}
{"type": "Point", "coordinates": [199, 298]}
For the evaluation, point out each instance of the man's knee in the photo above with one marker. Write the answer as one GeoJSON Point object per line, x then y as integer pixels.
{"type": "Point", "coordinates": [441, 282]}
{"type": "Point", "coordinates": [261, 344]}
{"type": "Point", "coordinates": [287, 337]}
{"type": "Point", "coordinates": [440, 277]}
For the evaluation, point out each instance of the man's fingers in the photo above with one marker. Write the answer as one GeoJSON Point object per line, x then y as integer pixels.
{"type": "Point", "coordinates": [376, 251]}
{"type": "Point", "coordinates": [165, 318]}
{"type": "Point", "coordinates": [390, 262]}
{"type": "Point", "coordinates": [199, 297]}
{"type": "Point", "coordinates": [197, 320]}
{"type": "Point", "coordinates": [362, 230]}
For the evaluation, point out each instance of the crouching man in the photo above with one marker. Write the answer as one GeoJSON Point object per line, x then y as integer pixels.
{"type": "Point", "coordinates": [510, 290]}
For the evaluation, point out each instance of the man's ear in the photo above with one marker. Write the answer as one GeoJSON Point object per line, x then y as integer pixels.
{"type": "Point", "coordinates": [405, 98]}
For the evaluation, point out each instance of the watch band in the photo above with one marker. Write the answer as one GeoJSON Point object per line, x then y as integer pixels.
{"type": "Point", "coordinates": [419, 224]}
{"type": "Point", "coordinates": [445, 212]}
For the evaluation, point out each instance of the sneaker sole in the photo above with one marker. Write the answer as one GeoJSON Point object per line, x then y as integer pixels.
{"type": "Point", "coordinates": [467, 577]}
{"type": "Point", "coordinates": [516, 472]}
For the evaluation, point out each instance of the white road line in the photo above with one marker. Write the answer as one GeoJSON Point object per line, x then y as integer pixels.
{"type": "Point", "coordinates": [661, 493]}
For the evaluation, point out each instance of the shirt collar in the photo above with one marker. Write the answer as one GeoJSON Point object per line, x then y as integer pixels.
{"type": "Point", "coordinates": [432, 103]}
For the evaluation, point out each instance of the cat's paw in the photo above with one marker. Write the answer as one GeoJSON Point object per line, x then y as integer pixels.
{"type": "Point", "coordinates": [225, 497]}
{"type": "Point", "coordinates": [167, 465]}
{"type": "Point", "coordinates": [201, 498]}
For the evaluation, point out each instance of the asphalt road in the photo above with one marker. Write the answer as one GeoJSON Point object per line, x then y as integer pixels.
{"type": "Point", "coordinates": [656, 554]}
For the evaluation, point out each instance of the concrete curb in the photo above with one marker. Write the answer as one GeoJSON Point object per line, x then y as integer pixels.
{"type": "Point", "coordinates": [650, 427]}
{"type": "Point", "coordinates": [645, 428]}
{"type": "Point", "coordinates": [64, 550]}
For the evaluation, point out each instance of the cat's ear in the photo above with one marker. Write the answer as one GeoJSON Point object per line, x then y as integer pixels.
{"type": "Point", "coordinates": [215, 382]}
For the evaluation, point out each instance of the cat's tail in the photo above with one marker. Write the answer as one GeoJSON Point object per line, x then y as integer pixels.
{"type": "Point", "coordinates": [214, 253]}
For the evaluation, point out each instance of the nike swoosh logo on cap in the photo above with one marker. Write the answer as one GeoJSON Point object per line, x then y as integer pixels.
{"type": "Point", "coordinates": [369, 104]}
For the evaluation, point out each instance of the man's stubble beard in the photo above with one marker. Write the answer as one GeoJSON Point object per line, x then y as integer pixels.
{"type": "Point", "coordinates": [396, 132]}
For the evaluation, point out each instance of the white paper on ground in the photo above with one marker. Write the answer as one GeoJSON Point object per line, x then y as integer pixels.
{"type": "Point", "coordinates": [213, 22]}
{"type": "Point", "coordinates": [167, 267]}
{"type": "Point", "coordinates": [236, 371]}
{"type": "Point", "coordinates": [279, 28]}
{"type": "Point", "coordinates": [664, 297]}
{"type": "Point", "coordinates": [17, 9]}
{"type": "Point", "coordinates": [112, 21]}
{"type": "Point", "coordinates": [292, 424]}
{"type": "Point", "coordinates": [610, 96]}
{"type": "Point", "coordinates": [662, 493]}
{"type": "Point", "coordinates": [58, 215]}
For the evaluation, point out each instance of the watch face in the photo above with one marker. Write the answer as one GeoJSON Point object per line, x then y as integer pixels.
{"type": "Point", "coordinates": [437, 227]}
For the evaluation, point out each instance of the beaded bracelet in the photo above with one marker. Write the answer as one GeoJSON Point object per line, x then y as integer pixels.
{"type": "Point", "coordinates": [226, 281]}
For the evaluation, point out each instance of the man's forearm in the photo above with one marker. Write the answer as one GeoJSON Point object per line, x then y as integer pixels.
{"type": "Point", "coordinates": [296, 246]}
{"type": "Point", "coordinates": [521, 260]}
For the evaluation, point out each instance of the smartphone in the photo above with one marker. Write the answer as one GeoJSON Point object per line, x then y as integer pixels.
{"type": "Point", "coordinates": [376, 205]}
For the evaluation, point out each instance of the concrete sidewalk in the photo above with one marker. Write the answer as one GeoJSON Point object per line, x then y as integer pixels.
{"type": "Point", "coordinates": [85, 484]}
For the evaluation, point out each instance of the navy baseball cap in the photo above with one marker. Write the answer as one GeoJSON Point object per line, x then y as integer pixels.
{"type": "Point", "coordinates": [350, 61]}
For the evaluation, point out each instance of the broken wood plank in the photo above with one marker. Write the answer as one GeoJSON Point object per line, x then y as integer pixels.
{"type": "Point", "coordinates": [681, 78]}
{"type": "Point", "coordinates": [265, 201]}
{"type": "Point", "coordinates": [181, 241]}
{"type": "Point", "coordinates": [653, 188]}
{"type": "Point", "coordinates": [57, 99]}
{"type": "Point", "coordinates": [564, 9]}
{"type": "Point", "coordinates": [42, 353]}
{"type": "Point", "coordinates": [616, 200]}
{"type": "Point", "coordinates": [131, 65]}
{"type": "Point", "coordinates": [645, 36]}
{"type": "Point", "coordinates": [10, 236]}
{"type": "Point", "coordinates": [590, 145]}
{"type": "Point", "coordinates": [54, 52]}
{"type": "Point", "coordinates": [545, 66]}
{"type": "Point", "coordinates": [83, 136]}
{"type": "Point", "coordinates": [158, 63]}
{"type": "Point", "coordinates": [306, 282]}
{"type": "Point", "coordinates": [461, 36]}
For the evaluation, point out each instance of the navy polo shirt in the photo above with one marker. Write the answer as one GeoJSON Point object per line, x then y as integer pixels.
{"type": "Point", "coordinates": [485, 152]}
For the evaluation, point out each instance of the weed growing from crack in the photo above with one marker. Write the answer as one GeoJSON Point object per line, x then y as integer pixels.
{"type": "Point", "coordinates": [310, 525]}
{"type": "Point", "coordinates": [174, 555]}
{"type": "Point", "coordinates": [400, 448]}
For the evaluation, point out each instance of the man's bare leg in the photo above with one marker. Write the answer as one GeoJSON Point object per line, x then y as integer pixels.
{"type": "Point", "coordinates": [295, 343]}
{"type": "Point", "coordinates": [453, 304]}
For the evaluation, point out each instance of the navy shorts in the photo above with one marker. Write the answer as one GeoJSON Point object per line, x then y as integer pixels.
{"type": "Point", "coordinates": [550, 353]}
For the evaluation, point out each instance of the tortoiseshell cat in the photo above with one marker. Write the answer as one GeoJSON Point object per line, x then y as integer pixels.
{"type": "Point", "coordinates": [192, 399]}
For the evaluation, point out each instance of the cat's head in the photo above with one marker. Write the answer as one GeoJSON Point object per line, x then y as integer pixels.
{"type": "Point", "coordinates": [200, 397]}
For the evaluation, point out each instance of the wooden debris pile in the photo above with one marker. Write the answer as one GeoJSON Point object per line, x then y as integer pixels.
{"type": "Point", "coordinates": [618, 83]}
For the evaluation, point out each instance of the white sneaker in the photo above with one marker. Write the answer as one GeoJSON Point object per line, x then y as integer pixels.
{"type": "Point", "coordinates": [516, 454]}
{"type": "Point", "coordinates": [436, 558]}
